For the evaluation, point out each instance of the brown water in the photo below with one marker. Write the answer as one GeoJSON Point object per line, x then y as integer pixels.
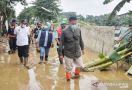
{"type": "Point", "coordinates": [52, 75]}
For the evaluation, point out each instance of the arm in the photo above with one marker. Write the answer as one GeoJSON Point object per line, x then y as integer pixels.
{"type": "Point", "coordinates": [53, 36]}
{"type": "Point", "coordinates": [15, 31]}
{"type": "Point", "coordinates": [7, 36]}
{"type": "Point", "coordinates": [34, 31]}
{"type": "Point", "coordinates": [81, 43]}
{"type": "Point", "coordinates": [56, 37]}
{"type": "Point", "coordinates": [37, 40]}
{"type": "Point", "coordinates": [53, 39]}
{"type": "Point", "coordinates": [28, 32]}
{"type": "Point", "coordinates": [10, 35]}
{"type": "Point", "coordinates": [57, 41]}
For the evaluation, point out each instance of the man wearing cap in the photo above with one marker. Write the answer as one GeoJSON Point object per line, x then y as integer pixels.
{"type": "Point", "coordinates": [73, 44]}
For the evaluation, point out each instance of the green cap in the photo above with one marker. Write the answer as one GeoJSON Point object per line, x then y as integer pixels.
{"type": "Point", "coordinates": [64, 21]}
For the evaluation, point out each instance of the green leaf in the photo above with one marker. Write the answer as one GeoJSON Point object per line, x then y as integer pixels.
{"type": "Point", "coordinates": [107, 1]}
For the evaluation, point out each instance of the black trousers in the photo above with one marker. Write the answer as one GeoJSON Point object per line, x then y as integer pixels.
{"type": "Point", "coordinates": [12, 44]}
{"type": "Point", "coordinates": [23, 51]}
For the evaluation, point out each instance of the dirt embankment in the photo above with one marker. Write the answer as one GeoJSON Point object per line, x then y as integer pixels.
{"type": "Point", "coordinates": [98, 38]}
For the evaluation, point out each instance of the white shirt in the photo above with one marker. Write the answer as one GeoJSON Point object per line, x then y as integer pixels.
{"type": "Point", "coordinates": [22, 35]}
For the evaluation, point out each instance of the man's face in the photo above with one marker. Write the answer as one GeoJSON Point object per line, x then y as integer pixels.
{"type": "Point", "coordinates": [12, 26]}
{"type": "Point", "coordinates": [23, 24]}
{"type": "Point", "coordinates": [13, 23]}
{"type": "Point", "coordinates": [26, 24]}
{"type": "Point", "coordinates": [39, 25]}
{"type": "Point", "coordinates": [73, 22]}
{"type": "Point", "coordinates": [63, 26]}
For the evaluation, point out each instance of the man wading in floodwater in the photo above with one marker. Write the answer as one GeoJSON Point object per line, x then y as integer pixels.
{"type": "Point", "coordinates": [45, 40]}
{"type": "Point", "coordinates": [22, 34]}
{"type": "Point", "coordinates": [73, 44]}
{"type": "Point", "coordinates": [12, 37]}
{"type": "Point", "coordinates": [58, 36]}
{"type": "Point", "coordinates": [36, 32]}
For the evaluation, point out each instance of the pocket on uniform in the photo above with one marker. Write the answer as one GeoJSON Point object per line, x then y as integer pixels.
{"type": "Point", "coordinates": [76, 37]}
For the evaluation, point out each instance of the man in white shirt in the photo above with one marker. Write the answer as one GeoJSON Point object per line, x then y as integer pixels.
{"type": "Point", "coordinates": [22, 34]}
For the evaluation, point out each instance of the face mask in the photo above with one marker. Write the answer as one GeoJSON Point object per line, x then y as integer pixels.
{"type": "Point", "coordinates": [12, 27]}
{"type": "Point", "coordinates": [23, 26]}
{"type": "Point", "coordinates": [73, 27]}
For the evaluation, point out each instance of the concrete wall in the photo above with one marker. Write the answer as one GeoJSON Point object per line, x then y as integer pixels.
{"type": "Point", "coordinates": [98, 38]}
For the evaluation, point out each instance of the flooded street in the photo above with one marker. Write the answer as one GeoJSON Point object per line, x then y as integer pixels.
{"type": "Point", "coordinates": [51, 76]}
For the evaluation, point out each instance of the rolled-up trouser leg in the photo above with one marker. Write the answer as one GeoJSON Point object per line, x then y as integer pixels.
{"type": "Point", "coordinates": [78, 65]}
{"type": "Point", "coordinates": [69, 64]}
{"type": "Point", "coordinates": [79, 62]}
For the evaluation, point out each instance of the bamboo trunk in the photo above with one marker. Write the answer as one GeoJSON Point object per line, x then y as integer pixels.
{"type": "Point", "coordinates": [123, 51]}
{"type": "Point", "coordinates": [126, 55]}
{"type": "Point", "coordinates": [97, 62]}
{"type": "Point", "coordinates": [102, 66]}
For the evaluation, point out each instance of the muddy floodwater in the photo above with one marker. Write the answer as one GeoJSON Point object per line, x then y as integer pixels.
{"type": "Point", "coordinates": [51, 76]}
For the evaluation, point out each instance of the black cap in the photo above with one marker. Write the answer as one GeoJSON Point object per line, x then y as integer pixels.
{"type": "Point", "coordinates": [13, 20]}
{"type": "Point", "coordinates": [22, 21]}
{"type": "Point", "coordinates": [72, 18]}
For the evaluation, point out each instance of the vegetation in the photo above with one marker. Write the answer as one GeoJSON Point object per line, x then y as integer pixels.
{"type": "Point", "coordinates": [117, 8]}
{"type": "Point", "coordinates": [41, 10]}
{"type": "Point", "coordinates": [7, 9]}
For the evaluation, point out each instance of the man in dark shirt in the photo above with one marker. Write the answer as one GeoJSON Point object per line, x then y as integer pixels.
{"type": "Point", "coordinates": [12, 37]}
{"type": "Point", "coordinates": [73, 44]}
{"type": "Point", "coordinates": [35, 34]}
{"type": "Point", "coordinates": [36, 30]}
